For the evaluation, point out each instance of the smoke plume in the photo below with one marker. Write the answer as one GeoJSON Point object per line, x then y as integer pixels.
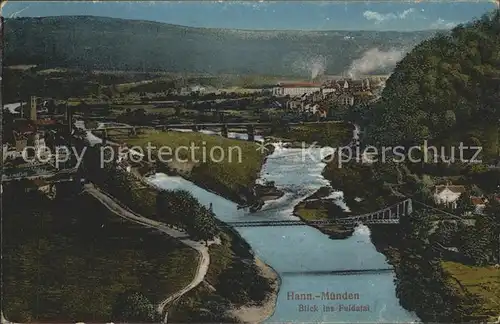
{"type": "Point", "coordinates": [315, 66]}
{"type": "Point", "coordinates": [374, 60]}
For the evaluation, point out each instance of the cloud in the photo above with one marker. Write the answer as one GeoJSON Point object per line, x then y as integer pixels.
{"type": "Point", "coordinates": [443, 24]}
{"type": "Point", "coordinates": [380, 17]}
{"type": "Point", "coordinates": [375, 59]}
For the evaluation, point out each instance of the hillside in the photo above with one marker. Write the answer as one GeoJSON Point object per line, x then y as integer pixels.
{"type": "Point", "coordinates": [447, 89]}
{"type": "Point", "coordinates": [115, 44]}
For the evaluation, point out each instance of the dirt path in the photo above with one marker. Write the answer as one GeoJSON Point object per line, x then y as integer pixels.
{"type": "Point", "coordinates": [204, 258]}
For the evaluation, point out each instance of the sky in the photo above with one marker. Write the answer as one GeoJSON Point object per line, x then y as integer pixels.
{"type": "Point", "coordinates": [268, 15]}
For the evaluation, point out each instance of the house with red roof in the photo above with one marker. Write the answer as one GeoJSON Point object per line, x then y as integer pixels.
{"type": "Point", "coordinates": [479, 204]}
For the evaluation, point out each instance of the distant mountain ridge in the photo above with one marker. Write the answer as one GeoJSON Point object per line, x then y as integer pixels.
{"type": "Point", "coordinates": [102, 43]}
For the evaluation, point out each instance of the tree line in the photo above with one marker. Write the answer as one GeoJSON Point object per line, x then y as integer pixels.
{"type": "Point", "coordinates": [446, 85]}
{"type": "Point", "coordinates": [177, 208]}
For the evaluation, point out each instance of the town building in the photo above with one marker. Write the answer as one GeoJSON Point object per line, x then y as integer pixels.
{"type": "Point", "coordinates": [295, 89]}
{"type": "Point", "coordinates": [294, 105]}
{"type": "Point", "coordinates": [343, 85]}
{"type": "Point", "coordinates": [448, 194]}
{"type": "Point", "coordinates": [347, 92]}
{"type": "Point", "coordinates": [345, 99]}
{"type": "Point", "coordinates": [311, 109]}
{"type": "Point", "coordinates": [305, 97]}
{"type": "Point", "coordinates": [25, 134]}
{"type": "Point", "coordinates": [326, 91]}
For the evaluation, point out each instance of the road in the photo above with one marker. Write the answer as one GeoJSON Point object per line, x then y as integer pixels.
{"type": "Point", "coordinates": [204, 258]}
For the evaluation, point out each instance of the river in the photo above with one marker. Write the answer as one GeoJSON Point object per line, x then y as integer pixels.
{"type": "Point", "coordinates": [303, 248]}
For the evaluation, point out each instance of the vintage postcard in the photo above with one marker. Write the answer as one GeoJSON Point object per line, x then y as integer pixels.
{"type": "Point", "coordinates": [250, 161]}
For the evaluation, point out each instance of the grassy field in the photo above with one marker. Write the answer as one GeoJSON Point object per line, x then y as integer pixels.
{"type": "Point", "coordinates": [484, 282]}
{"type": "Point", "coordinates": [239, 166]}
{"type": "Point", "coordinates": [68, 261]}
{"type": "Point", "coordinates": [311, 213]}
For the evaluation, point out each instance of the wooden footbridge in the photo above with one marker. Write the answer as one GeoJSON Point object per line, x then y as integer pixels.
{"type": "Point", "coordinates": [389, 215]}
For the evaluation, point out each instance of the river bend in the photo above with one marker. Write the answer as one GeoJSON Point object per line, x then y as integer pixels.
{"type": "Point", "coordinates": [303, 248]}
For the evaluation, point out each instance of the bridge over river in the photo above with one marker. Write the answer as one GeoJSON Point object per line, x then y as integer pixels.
{"type": "Point", "coordinates": [388, 215]}
{"type": "Point", "coordinates": [224, 127]}
{"type": "Point", "coordinates": [346, 272]}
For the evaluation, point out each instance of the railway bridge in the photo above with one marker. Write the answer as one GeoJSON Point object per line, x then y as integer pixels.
{"type": "Point", "coordinates": [223, 127]}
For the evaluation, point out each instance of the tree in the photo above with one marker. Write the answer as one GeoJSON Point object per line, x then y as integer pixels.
{"type": "Point", "coordinates": [134, 307]}
{"type": "Point", "coordinates": [477, 244]}
{"type": "Point", "coordinates": [492, 212]}
{"type": "Point", "coordinates": [445, 233]}
{"type": "Point", "coordinates": [171, 206]}
{"type": "Point", "coordinates": [464, 203]}
{"type": "Point", "coordinates": [423, 192]}
{"type": "Point", "coordinates": [178, 110]}
{"type": "Point", "coordinates": [488, 180]}
{"type": "Point", "coordinates": [7, 122]}
{"type": "Point", "coordinates": [445, 85]}
{"type": "Point", "coordinates": [204, 225]}
{"type": "Point", "coordinates": [449, 118]}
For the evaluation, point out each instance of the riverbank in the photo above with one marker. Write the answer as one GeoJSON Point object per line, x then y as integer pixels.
{"type": "Point", "coordinates": [422, 284]}
{"type": "Point", "coordinates": [226, 166]}
{"type": "Point", "coordinates": [435, 289]}
{"type": "Point", "coordinates": [238, 288]}
{"type": "Point", "coordinates": [235, 283]}
{"type": "Point", "coordinates": [260, 313]}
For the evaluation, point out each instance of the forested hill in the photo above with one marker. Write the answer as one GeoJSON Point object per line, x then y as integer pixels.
{"type": "Point", "coordinates": [117, 44]}
{"type": "Point", "coordinates": [446, 86]}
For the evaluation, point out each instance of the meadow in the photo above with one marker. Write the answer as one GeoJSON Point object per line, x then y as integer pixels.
{"type": "Point", "coordinates": [231, 177]}
{"type": "Point", "coordinates": [68, 261]}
